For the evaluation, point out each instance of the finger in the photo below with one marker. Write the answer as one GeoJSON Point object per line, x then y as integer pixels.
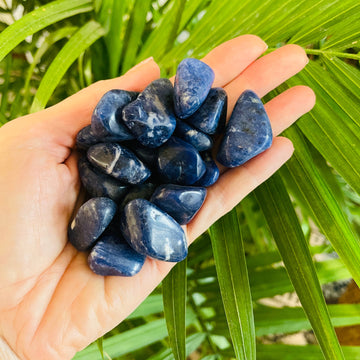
{"type": "Point", "coordinates": [268, 72]}
{"type": "Point", "coordinates": [230, 58]}
{"type": "Point", "coordinates": [72, 114]}
{"type": "Point", "coordinates": [286, 108]}
{"type": "Point", "coordinates": [236, 183]}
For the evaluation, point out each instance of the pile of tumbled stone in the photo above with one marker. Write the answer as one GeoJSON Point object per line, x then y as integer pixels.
{"type": "Point", "coordinates": [146, 162]}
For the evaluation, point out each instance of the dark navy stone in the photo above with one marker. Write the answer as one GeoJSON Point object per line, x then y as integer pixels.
{"type": "Point", "coordinates": [248, 132]}
{"type": "Point", "coordinates": [196, 138]}
{"type": "Point", "coordinates": [151, 116]}
{"type": "Point", "coordinates": [112, 256]}
{"type": "Point", "coordinates": [143, 191]}
{"type": "Point", "coordinates": [212, 172]}
{"type": "Point", "coordinates": [99, 184]}
{"type": "Point", "coordinates": [211, 116]}
{"type": "Point", "coordinates": [91, 220]}
{"type": "Point", "coordinates": [180, 202]}
{"type": "Point", "coordinates": [86, 138]}
{"type": "Point", "coordinates": [192, 84]}
{"type": "Point", "coordinates": [107, 117]}
{"type": "Point", "coordinates": [119, 162]}
{"type": "Point", "coordinates": [146, 155]}
{"type": "Point", "coordinates": [152, 232]}
{"type": "Point", "coordinates": [180, 163]}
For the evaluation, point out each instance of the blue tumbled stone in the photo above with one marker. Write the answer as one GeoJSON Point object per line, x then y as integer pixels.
{"type": "Point", "coordinates": [151, 116]}
{"type": "Point", "coordinates": [91, 220]}
{"type": "Point", "coordinates": [149, 157]}
{"type": "Point", "coordinates": [212, 172]}
{"type": "Point", "coordinates": [86, 138]}
{"type": "Point", "coordinates": [192, 84]}
{"type": "Point", "coordinates": [107, 116]}
{"type": "Point", "coordinates": [152, 232]}
{"type": "Point", "coordinates": [179, 162]}
{"type": "Point", "coordinates": [142, 191]}
{"type": "Point", "coordinates": [99, 184]}
{"type": "Point", "coordinates": [119, 162]}
{"type": "Point", "coordinates": [210, 118]}
{"type": "Point", "coordinates": [112, 256]}
{"type": "Point", "coordinates": [248, 132]}
{"type": "Point", "coordinates": [196, 138]}
{"type": "Point", "coordinates": [180, 202]}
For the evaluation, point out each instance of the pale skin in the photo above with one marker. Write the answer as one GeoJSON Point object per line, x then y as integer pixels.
{"type": "Point", "coordinates": [51, 304]}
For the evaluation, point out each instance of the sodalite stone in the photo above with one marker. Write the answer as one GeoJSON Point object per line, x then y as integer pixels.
{"type": "Point", "coordinates": [212, 172]}
{"type": "Point", "coordinates": [211, 116]}
{"type": "Point", "coordinates": [152, 232]}
{"type": "Point", "coordinates": [248, 132]}
{"type": "Point", "coordinates": [107, 117]}
{"type": "Point", "coordinates": [196, 138]}
{"type": "Point", "coordinates": [112, 255]}
{"type": "Point", "coordinates": [86, 138]}
{"type": "Point", "coordinates": [143, 191]}
{"type": "Point", "coordinates": [151, 116]}
{"type": "Point", "coordinates": [149, 157]}
{"type": "Point", "coordinates": [180, 202]}
{"type": "Point", "coordinates": [99, 184]}
{"type": "Point", "coordinates": [192, 84]}
{"type": "Point", "coordinates": [90, 221]}
{"type": "Point", "coordinates": [119, 162]}
{"type": "Point", "coordinates": [180, 163]}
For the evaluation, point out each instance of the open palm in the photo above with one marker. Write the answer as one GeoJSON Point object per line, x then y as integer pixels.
{"type": "Point", "coordinates": [51, 304]}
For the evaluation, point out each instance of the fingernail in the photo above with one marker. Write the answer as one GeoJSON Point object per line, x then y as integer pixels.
{"type": "Point", "coordinates": [143, 62]}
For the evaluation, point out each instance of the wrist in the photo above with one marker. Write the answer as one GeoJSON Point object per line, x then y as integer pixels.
{"type": "Point", "coordinates": [6, 353]}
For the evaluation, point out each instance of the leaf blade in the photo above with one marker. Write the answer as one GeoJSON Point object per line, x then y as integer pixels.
{"type": "Point", "coordinates": [174, 297]}
{"type": "Point", "coordinates": [275, 203]}
{"type": "Point", "coordinates": [233, 279]}
{"type": "Point", "coordinates": [323, 204]}
{"type": "Point", "coordinates": [78, 43]}
{"type": "Point", "coordinates": [39, 19]}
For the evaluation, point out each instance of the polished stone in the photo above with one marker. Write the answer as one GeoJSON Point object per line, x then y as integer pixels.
{"type": "Point", "coordinates": [179, 162]}
{"type": "Point", "coordinates": [99, 184]}
{"type": "Point", "coordinates": [212, 172]}
{"type": "Point", "coordinates": [248, 132]}
{"type": "Point", "coordinates": [152, 232]}
{"type": "Point", "coordinates": [91, 220]}
{"type": "Point", "coordinates": [180, 202]}
{"type": "Point", "coordinates": [143, 191]}
{"type": "Point", "coordinates": [196, 138]}
{"type": "Point", "coordinates": [146, 155]}
{"type": "Point", "coordinates": [210, 118]}
{"type": "Point", "coordinates": [119, 162]}
{"type": "Point", "coordinates": [107, 117]}
{"type": "Point", "coordinates": [192, 84]}
{"type": "Point", "coordinates": [86, 138]}
{"type": "Point", "coordinates": [151, 116]}
{"type": "Point", "coordinates": [112, 256]}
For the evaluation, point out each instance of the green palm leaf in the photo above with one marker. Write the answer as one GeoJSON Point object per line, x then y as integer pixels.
{"type": "Point", "coordinates": [78, 43]}
{"type": "Point", "coordinates": [234, 283]}
{"type": "Point", "coordinates": [39, 19]}
{"type": "Point", "coordinates": [280, 214]}
{"type": "Point", "coordinates": [324, 207]}
{"type": "Point", "coordinates": [288, 352]}
{"type": "Point", "coordinates": [174, 294]}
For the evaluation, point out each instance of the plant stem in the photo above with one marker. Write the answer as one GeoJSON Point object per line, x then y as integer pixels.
{"type": "Point", "coordinates": [327, 52]}
{"type": "Point", "coordinates": [213, 347]}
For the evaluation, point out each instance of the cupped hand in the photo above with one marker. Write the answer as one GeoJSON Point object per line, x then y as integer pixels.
{"type": "Point", "coordinates": [51, 304]}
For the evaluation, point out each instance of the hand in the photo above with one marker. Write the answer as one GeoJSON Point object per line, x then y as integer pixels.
{"type": "Point", "coordinates": [51, 304]}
